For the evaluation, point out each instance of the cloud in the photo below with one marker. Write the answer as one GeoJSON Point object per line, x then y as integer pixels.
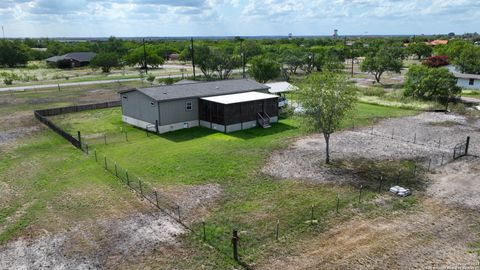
{"type": "Point", "coordinates": [237, 17]}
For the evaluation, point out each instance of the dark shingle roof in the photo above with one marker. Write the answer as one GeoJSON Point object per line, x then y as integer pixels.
{"type": "Point", "coordinates": [201, 89]}
{"type": "Point", "coordinates": [78, 56]}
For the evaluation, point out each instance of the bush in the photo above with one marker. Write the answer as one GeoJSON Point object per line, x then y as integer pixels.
{"type": "Point", "coordinates": [151, 78]}
{"type": "Point", "coordinates": [374, 91]}
{"type": "Point", "coordinates": [436, 61]}
{"type": "Point", "coordinates": [8, 81]}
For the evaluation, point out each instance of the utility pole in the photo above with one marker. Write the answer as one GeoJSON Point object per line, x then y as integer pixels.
{"type": "Point", "coordinates": [192, 52]}
{"type": "Point", "coordinates": [145, 57]}
{"type": "Point", "coordinates": [352, 57]}
{"type": "Point", "coordinates": [243, 58]}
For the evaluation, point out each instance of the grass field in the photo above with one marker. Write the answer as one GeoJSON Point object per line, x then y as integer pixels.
{"type": "Point", "coordinates": [251, 202]}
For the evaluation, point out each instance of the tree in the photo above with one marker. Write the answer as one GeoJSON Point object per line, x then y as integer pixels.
{"type": "Point", "coordinates": [293, 59]}
{"type": "Point", "coordinates": [105, 61]}
{"type": "Point", "coordinates": [13, 53]}
{"type": "Point", "coordinates": [469, 60]}
{"type": "Point", "coordinates": [431, 83]}
{"type": "Point", "coordinates": [137, 57]}
{"type": "Point", "coordinates": [385, 59]}
{"type": "Point", "coordinates": [219, 60]}
{"type": "Point", "coordinates": [327, 99]}
{"type": "Point", "coordinates": [263, 69]}
{"type": "Point", "coordinates": [421, 50]}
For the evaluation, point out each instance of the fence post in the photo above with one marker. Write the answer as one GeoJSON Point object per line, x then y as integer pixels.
{"type": "Point", "coordinates": [380, 185]}
{"type": "Point", "coordinates": [79, 138]}
{"type": "Point", "coordinates": [204, 232]}
{"type": "Point", "coordinates": [141, 189]}
{"type": "Point", "coordinates": [393, 133]}
{"type": "Point", "coordinates": [156, 199]}
{"type": "Point", "coordinates": [443, 155]}
{"type": "Point", "coordinates": [116, 170]}
{"type": "Point", "coordinates": [178, 211]}
{"type": "Point", "coordinates": [338, 202]}
{"type": "Point", "coordinates": [235, 244]}
{"type": "Point", "coordinates": [96, 158]}
{"type": "Point", "coordinates": [468, 144]}
{"type": "Point", "coordinates": [105, 159]}
{"type": "Point", "coordinates": [276, 229]}
{"type": "Point", "coordinates": [311, 216]}
{"type": "Point", "coordinates": [360, 194]}
{"type": "Point", "coordinates": [429, 164]}
{"type": "Point", "coordinates": [126, 136]}
{"type": "Point", "coordinates": [105, 138]}
{"type": "Point", "coordinates": [128, 179]}
{"type": "Point", "coordinates": [415, 138]}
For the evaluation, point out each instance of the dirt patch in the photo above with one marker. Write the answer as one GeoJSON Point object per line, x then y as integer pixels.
{"type": "Point", "coordinates": [392, 139]}
{"type": "Point", "coordinates": [457, 183]}
{"type": "Point", "coordinates": [111, 242]}
{"type": "Point", "coordinates": [432, 238]}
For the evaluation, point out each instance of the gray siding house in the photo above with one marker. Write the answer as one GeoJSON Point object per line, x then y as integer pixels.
{"type": "Point", "coordinates": [168, 108]}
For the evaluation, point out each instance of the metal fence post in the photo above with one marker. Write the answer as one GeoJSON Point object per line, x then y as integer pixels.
{"type": "Point", "coordinates": [105, 138]}
{"type": "Point", "coordinates": [116, 170]}
{"type": "Point", "coordinates": [466, 146]}
{"type": "Point", "coordinates": [415, 138]}
{"type": "Point", "coordinates": [311, 216]}
{"type": "Point", "coordinates": [276, 229]}
{"type": "Point", "coordinates": [156, 199]}
{"type": "Point", "coordinates": [393, 133]}
{"type": "Point", "coordinates": [128, 179]}
{"type": "Point", "coordinates": [178, 211]}
{"type": "Point", "coordinates": [141, 189]}
{"type": "Point", "coordinates": [204, 232]}
{"type": "Point", "coordinates": [360, 194]}
{"type": "Point", "coordinates": [338, 202]}
{"type": "Point", "coordinates": [235, 244]}
{"type": "Point", "coordinates": [105, 159]}
{"type": "Point", "coordinates": [96, 158]}
{"type": "Point", "coordinates": [429, 164]}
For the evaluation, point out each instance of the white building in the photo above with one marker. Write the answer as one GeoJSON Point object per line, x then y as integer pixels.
{"type": "Point", "coordinates": [468, 81]}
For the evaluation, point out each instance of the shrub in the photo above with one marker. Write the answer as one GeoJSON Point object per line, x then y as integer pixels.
{"type": "Point", "coordinates": [8, 81]}
{"type": "Point", "coordinates": [374, 91]}
{"type": "Point", "coordinates": [436, 61]}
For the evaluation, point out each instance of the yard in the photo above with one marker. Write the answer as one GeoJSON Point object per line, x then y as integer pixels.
{"type": "Point", "coordinates": [60, 206]}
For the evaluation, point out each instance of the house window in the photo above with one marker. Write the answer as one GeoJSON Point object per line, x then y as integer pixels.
{"type": "Point", "coordinates": [471, 81]}
{"type": "Point", "coordinates": [125, 97]}
{"type": "Point", "coordinates": [188, 106]}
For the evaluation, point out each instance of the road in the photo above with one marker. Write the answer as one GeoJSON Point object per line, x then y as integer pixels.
{"type": "Point", "coordinates": [43, 86]}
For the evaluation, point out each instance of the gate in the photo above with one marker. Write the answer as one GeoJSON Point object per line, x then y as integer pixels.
{"type": "Point", "coordinates": [461, 149]}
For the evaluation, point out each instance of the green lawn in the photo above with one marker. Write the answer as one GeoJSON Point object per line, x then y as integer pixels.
{"type": "Point", "coordinates": [252, 202]}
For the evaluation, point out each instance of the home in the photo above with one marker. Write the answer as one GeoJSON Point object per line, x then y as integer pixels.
{"type": "Point", "coordinates": [226, 106]}
{"type": "Point", "coordinates": [468, 81]}
{"type": "Point", "coordinates": [71, 60]}
{"type": "Point", "coordinates": [281, 89]}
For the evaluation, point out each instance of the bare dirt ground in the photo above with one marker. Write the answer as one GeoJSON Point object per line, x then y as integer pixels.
{"type": "Point", "coordinates": [438, 234]}
{"type": "Point", "coordinates": [434, 237]}
{"type": "Point", "coordinates": [108, 243]}
{"type": "Point", "coordinates": [434, 134]}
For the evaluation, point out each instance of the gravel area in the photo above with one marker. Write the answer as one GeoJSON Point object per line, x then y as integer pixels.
{"type": "Point", "coordinates": [425, 137]}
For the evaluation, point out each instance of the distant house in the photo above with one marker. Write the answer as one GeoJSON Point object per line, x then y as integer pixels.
{"type": "Point", "coordinates": [468, 81]}
{"type": "Point", "coordinates": [226, 106]}
{"type": "Point", "coordinates": [174, 57]}
{"type": "Point", "coordinates": [71, 60]}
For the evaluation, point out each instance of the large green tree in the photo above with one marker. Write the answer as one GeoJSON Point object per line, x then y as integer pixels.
{"type": "Point", "coordinates": [383, 60]}
{"type": "Point", "coordinates": [13, 53]}
{"type": "Point", "coordinates": [469, 60]}
{"type": "Point", "coordinates": [263, 69]}
{"type": "Point", "coordinates": [420, 49]}
{"type": "Point", "coordinates": [105, 61]}
{"type": "Point", "coordinates": [437, 84]}
{"type": "Point", "coordinates": [137, 57]}
{"type": "Point", "coordinates": [327, 98]}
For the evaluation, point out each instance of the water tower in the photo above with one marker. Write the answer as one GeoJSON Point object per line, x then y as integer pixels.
{"type": "Point", "coordinates": [335, 33]}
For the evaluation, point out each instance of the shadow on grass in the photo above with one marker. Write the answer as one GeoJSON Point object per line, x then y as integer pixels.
{"type": "Point", "coordinates": [200, 132]}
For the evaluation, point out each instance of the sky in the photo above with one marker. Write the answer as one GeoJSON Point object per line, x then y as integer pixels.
{"type": "Point", "coordinates": [136, 18]}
